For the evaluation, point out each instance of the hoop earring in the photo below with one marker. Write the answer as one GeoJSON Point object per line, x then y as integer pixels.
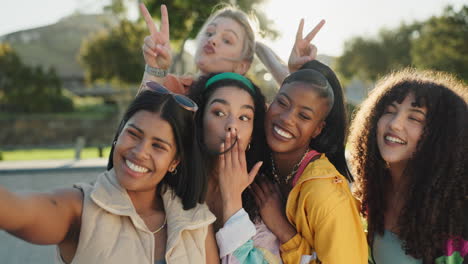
{"type": "Point", "coordinates": [248, 147]}
{"type": "Point", "coordinates": [115, 142]}
{"type": "Point", "coordinates": [174, 172]}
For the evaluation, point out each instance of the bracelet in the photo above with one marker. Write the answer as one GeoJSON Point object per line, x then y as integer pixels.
{"type": "Point", "coordinates": [156, 72]}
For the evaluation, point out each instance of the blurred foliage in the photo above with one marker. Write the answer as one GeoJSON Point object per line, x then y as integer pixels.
{"type": "Point", "coordinates": [116, 54]}
{"type": "Point", "coordinates": [25, 89]}
{"type": "Point", "coordinates": [439, 43]}
{"type": "Point", "coordinates": [443, 43]}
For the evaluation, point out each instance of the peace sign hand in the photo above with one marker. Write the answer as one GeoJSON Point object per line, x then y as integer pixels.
{"type": "Point", "coordinates": [156, 47]}
{"type": "Point", "coordinates": [233, 175]}
{"type": "Point", "coordinates": [303, 50]}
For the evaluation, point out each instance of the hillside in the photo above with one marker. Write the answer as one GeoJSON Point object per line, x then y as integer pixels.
{"type": "Point", "coordinates": [58, 44]}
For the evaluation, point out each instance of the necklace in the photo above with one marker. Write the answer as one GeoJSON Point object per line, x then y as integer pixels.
{"type": "Point", "coordinates": [290, 175]}
{"type": "Point", "coordinates": [161, 227]}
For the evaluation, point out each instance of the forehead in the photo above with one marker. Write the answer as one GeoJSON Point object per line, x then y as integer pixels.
{"type": "Point", "coordinates": [233, 95]}
{"type": "Point", "coordinates": [304, 95]}
{"type": "Point", "coordinates": [227, 24]}
{"type": "Point", "coordinates": [152, 125]}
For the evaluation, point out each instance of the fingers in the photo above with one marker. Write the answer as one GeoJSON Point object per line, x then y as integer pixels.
{"type": "Point", "coordinates": [314, 31]}
{"type": "Point", "coordinates": [228, 154]}
{"type": "Point", "coordinates": [164, 23]}
{"type": "Point", "coordinates": [149, 20]}
{"type": "Point", "coordinates": [299, 30]}
{"type": "Point", "coordinates": [235, 149]}
{"type": "Point", "coordinates": [222, 159]}
{"type": "Point", "coordinates": [258, 192]}
{"type": "Point", "coordinates": [163, 51]}
{"type": "Point", "coordinates": [147, 50]}
{"type": "Point", "coordinates": [254, 171]}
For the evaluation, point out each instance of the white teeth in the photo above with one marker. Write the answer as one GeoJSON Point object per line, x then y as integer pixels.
{"type": "Point", "coordinates": [135, 167]}
{"type": "Point", "coordinates": [282, 133]}
{"type": "Point", "coordinates": [394, 139]}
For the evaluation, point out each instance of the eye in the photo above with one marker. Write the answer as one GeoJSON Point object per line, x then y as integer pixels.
{"type": "Point", "coordinates": [219, 113]}
{"type": "Point", "coordinates": [304, 116]}
{"type": "Point", "coordinates": [158, 146]}
{"type": "Point", "coordinates": [132, 133]}
{"type": "Point", "coordinates": [227, 41]}
{"type": "Point", "coordinates": [245, 118]}
{"type": "Point", "coordinates": [209, 34]}
{"type": "Point", "coordinates": [416, 119]}
{"type": "Point", "coordinates": [281, 102]}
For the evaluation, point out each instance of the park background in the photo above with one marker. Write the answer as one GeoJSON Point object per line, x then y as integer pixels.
{"type": "Point", "coordinates": [68, 69]}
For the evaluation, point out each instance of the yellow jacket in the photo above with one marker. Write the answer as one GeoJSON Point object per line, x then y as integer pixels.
{"type": "Point", "coordinates": [325, 214]}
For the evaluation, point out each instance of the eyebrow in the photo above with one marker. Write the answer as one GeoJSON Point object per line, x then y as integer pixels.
{"type": "Point", "coordinates": [302, 106]}
{"type": "Point", "coordinates": [230, 30]}
{"type": "Point", "coordinates": [412, 109]}
{"type": "Point", "coordinates": [224, 102]}
{"type": "Point", "coordinates": [154, 138]}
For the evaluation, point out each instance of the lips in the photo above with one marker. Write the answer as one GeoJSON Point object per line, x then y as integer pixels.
{"type": "Point", "coordinates": [134, 170]}
{"type": "Point", "coordinates": [282, 133]}
{"type": "Point", "coordinates": [208, 49]}
{"type": "Point", "coordinates": [389, 138]}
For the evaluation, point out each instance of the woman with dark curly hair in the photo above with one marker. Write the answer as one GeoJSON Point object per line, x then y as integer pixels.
{"type": "Point", "coordinates": [409, 152]}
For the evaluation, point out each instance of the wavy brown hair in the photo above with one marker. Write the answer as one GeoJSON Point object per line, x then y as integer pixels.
{"type": "Point", "coordinates": [435, 201]}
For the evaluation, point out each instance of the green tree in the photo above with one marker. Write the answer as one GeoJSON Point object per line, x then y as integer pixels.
{"type": "Point", "coordinates": [439, 43]}
{"type": "Point", "coordinates": [443, 43]}
{"type": "Point", "coordinates": [369, 59]}
{"type": "Point", "coordinates": [29, 89]}
{"type": "Point", "coordinates": [115, 55]}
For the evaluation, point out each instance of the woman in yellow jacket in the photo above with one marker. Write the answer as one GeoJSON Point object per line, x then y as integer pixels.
{"type": "Point", "coordinates": [305, 129]}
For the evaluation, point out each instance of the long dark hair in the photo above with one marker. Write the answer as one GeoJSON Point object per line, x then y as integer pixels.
{"type": "Point", "coordinates": [189, 182]}
{"type": "Point", "coordinates": [258, 150]}
{"type": "Point", "coordinates": [331, 140]}
{"type": "Point", "coordinates": [435, 201]}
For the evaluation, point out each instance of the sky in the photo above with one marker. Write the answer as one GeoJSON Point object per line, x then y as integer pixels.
{"type": "Point", "coordinates": [344, 18]}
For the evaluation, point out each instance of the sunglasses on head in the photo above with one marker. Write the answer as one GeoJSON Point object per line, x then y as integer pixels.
{"type": "Point", "coordinates": [182, 100]}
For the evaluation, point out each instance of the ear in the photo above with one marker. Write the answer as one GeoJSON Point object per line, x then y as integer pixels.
{"type": "Point", "coordinates": [173, 164]}
{"type": "Point", "coordinates": [318, 130]}
{"type": "Point", "coordinates": [242, 67]}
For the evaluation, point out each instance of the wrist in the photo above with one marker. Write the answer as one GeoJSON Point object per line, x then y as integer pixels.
{"type": "Point", "coordinates": [156, 72]}
{"type": "Point", "coordinates": [230, 207]}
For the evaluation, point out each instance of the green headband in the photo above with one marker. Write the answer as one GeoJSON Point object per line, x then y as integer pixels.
{"type": "Point", "coordinates": [231, 76]}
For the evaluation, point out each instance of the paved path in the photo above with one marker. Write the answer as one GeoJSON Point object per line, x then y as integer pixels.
{"type": "Point", "coordinates": [40, 176]}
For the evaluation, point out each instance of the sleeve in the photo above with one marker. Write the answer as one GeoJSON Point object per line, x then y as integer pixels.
{"type": "Point", "coordinates": [235, 241]}
{"type": "Point", "coordinates": [297, 250]}
{"type": "Point", "coordinates": [340, 237]}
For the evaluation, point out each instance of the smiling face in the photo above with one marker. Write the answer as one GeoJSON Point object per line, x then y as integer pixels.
{"type": "Point", "coordinates": [144, 152]}
{"type": "Point", "coordinates": [295, 116]}
{"type": "Point", "coordinates": [399, 130]}
{"type": "Point", "coordinates": [228, 108]}
{"type": "Point", "coordinates": [220, 47]}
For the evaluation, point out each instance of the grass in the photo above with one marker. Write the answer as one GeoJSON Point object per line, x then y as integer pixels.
{"type": "Point", "coordinates": [45, 154]}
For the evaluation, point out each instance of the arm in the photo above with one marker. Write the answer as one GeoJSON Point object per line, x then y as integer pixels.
{"type": "Point", "coordinates": [156, 47]}
{"type": "Point", "coordinates": [41, 218]}
{"type": "Point", "coordinates": [272, 62]}
{"type": "Point", "coordinates": [212, 255]}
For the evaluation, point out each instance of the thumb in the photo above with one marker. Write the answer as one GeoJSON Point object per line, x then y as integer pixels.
{"type": "Point", "coordinates": [253, 172]}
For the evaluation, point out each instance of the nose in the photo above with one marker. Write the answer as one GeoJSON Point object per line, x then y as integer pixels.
{"type": "Point", "coordinates": [140, 150]}
{"type": "Point", "coordinates": [396, 123]}
{"type": "Point", "coordinates": [231, 124]}
{"type": "Point", "coordinates": [287, 117]}
{"type": "Point", "coordinates": [212, 40]}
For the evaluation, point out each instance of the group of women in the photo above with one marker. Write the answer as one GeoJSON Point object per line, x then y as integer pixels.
{"type": "Point", "coordinates": [202, 171]}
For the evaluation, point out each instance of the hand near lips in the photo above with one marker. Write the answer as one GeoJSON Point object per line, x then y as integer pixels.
{"type": "Point", "coordinates": [233, 175]}
{"type": "Point", "coordinates": [156, 47]}
{"type": "Point", "coordinates": [268, 198]}
{"type": "Point", "coordinates": [303, 50]}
